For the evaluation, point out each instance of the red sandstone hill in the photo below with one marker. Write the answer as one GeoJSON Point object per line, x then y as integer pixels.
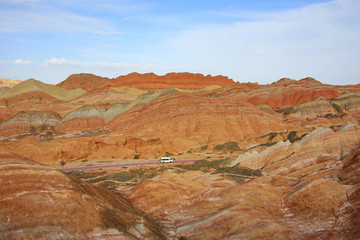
{"type": "Point", "coordinates": [151, 81]}
{"type": "Point", "coordinates": [83, 80]}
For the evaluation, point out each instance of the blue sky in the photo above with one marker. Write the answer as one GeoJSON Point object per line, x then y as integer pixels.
{"type": "Point", "coordinates": [249, 41]}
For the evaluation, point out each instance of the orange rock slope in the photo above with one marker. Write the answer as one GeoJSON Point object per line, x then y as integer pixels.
{"type": "Point", "coordinates": [39, 202]}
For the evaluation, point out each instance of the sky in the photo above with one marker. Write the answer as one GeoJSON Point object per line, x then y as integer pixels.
{"type": "Point", "coordinates": [248, 41]}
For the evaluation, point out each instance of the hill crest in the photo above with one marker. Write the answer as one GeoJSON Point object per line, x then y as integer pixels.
{"type": "Point", "coordinates": [184, 80]}
{"type": "Point", "coordinates": [85, 81]}
{"type": "Point", "coordinates": [33, 85]}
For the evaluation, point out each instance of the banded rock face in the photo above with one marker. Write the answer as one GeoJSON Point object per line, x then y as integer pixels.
{"type": "Point", "coordinates": [198, 120]}
{"type": "Point", "coordinates": [39, 202]}
{"type": "Point", "coordinates": [205, 206]}
{"type": "Point", "coordinates": [279, 95]}
{"type": "Point", "coordinates": [151, 81]}
{"type": "Point", "coordinates": [31, 122]}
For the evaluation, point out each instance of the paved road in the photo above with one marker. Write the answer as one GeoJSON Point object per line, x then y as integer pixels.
{"type": "Point", "coordinates": [124, 165]}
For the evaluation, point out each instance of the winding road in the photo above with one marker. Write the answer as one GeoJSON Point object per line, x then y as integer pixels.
{"type": "Point", "coordinates": [125, 165]}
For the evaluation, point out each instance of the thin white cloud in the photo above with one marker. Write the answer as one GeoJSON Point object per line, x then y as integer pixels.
{"type": "Point", "coordinates": [17, 61]}
{"type": "Point", "coordinates": [60, 61]}
{"type": "Point", "coordinates": [108, 69]}
{"type": "Point", "coordinates": [63, 61]}
{"type": "Point", "coordinates": [321, 40]}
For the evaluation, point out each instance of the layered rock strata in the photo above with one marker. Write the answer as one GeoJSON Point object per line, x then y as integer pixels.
{"type": "Point", "coordinates": [39, 202]}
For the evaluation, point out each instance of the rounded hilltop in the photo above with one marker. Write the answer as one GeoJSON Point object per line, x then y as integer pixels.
{"type": "Point", "coordinates": [85, 81]}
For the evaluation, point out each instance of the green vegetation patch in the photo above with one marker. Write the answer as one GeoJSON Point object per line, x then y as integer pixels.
{"type": "Point", "coordinates": [204, 165]}
{"type": "Point", "coordinates": [108, 184]}
{"type": "Point", "coordinates": [111, 180]}
{"type": "Point", "coordinates": [85, 175]}
{"type": "Point", "coordinates": [287, 110]}
{"type": "Point", "coordinates": [213, 94]}
{"type": "Point", "coordinates": [271, 135]}
{"type": "Point", "coordinates": [292, 137]}
{"type": "Point", "coordinates": [168, 154]}
{"type": "Point", "coordinates": [239, 170]}
{"type": "Point", "coordinates": [203, 148]}
{"type": "Point", "coordinates": [148, 173]}
{"type": "Point", "coordinates": [236, 173]}
{"type": "Point", "coordinates": [229, 146]}
{"type": "Point", "coordinates": [120, 177]}
{"type": "Point", "coordinates": [268, 144]}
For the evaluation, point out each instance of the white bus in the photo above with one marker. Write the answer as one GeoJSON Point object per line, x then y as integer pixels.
{"type": "Point", "coordinates": [166, 160]}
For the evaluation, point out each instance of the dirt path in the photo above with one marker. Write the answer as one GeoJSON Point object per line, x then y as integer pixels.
{"type": "Point", "coordinates": [124, 165]}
